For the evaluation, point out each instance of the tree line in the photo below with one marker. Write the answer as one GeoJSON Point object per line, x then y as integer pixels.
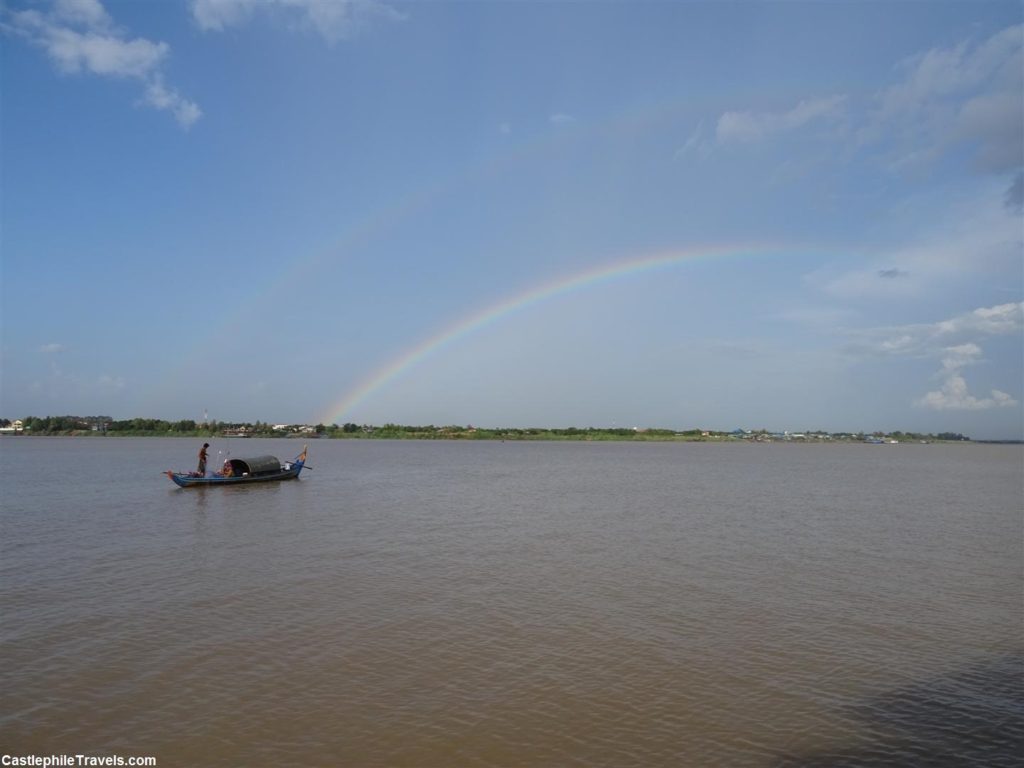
{"type": "Point", "coordinates": [69, 425]}
{"type": "Point", "coordinates": [105, 425]}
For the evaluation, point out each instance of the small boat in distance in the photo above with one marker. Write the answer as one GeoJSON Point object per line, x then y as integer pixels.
{"type": "Point", "coordinates": [259, 469]}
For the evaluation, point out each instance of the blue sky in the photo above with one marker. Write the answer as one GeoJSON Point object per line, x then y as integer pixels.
{"type": "Point", "coordinates": [276, 210]}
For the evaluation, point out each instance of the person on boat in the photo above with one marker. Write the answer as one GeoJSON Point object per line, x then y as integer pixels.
{"type": "Point", "coordinates": [201, 469]}
{"type": "Point", "coordinates": [226, 470]}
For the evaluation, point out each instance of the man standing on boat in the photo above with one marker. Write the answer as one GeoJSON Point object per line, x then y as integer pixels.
{"type": "Point", "coordinates": [201, 469]}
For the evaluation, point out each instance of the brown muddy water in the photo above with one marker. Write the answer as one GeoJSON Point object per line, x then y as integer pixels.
{"type": "Point", "coordinates": [515, 604]}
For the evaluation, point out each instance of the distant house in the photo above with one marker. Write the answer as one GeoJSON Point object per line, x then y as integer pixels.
{"type": "Point", "coordinates": [302, 429]}
{"type": "Point", "coordinates": [16, 428]}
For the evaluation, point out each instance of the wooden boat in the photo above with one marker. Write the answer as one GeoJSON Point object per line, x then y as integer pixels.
{"type": "Point", "coordinates": [259, 469]}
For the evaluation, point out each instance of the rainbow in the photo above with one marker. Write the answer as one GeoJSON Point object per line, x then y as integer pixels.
{"type": "Point", "coordinates": [549, 290]}
{"type": "Point", "coordinates": [365, 231]}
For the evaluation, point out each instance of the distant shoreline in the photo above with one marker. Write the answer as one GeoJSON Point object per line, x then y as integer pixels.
{"type": "Point", "coordinates": [106, 426]}
{"type": "Point", "coordinates": [542, 437]}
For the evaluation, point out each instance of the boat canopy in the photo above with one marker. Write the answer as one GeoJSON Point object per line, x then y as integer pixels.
{"type": "Point", "coordinates": [258, 465]}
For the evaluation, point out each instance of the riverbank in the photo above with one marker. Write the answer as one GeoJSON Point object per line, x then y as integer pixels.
{"type": "Point", "coordinates": [530, 435]}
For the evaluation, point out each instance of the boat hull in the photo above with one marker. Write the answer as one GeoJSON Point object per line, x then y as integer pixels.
{"type": "Point", "coordinates": [187, 481]}
{"type": "Point", "coordinates": [255, 470]}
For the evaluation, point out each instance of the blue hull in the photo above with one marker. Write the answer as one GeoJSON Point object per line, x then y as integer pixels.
{"type": "Point", "coordinates": [262, 473]}
{"type": "Point", "coordinates": [186, 481]}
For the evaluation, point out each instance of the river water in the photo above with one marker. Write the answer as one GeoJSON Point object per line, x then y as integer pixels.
{"type": "Point", "coordinates": [515, 604]}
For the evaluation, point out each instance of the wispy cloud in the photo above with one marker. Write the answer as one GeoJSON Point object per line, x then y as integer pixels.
{"type": "Point", "coordinates": [968, 93]}
{"type": "Point", "coordinates": [334, 20]}
{"type": "Point", "coordinates": [939, 340]}
{"type": "Point", "coordinates": [697, 143]}
{"type": "Point", "coordinates": [756, 126]}
{"type": "Point", "coordinates": [933, 339]}
{"type": "Point", "coordinates": [561, 118]}
{"type": "Point", "coordinates": [966, 98]}
{"type": "Point", "coordinates": [990, 321]}
{"type": "Point", "coordinates": [79, 36]}
{"type": "Point", "coordinates": [51, 349]}
{"type": "Point", "coordinates": [158, 95]}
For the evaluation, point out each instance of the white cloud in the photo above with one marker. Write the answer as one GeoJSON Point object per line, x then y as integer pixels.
{"type": "Point", "coordinates": [960, 356]}
{"type": "Point", "coordinates": [159, 96]}
{"type": "Point", "coordinates": [560, 118]}
{"type": "Point", "coordinates": [80, 36]}
{"type": "Point", "coordinates": [51, 348]}
{"type": "Point", "coordinates": [220, 14]}
{"type": "Point", "coordinates": [938, 339]}
{"type": "Point", "coordinates": [87, 12]}
{"type": "Point", "coordinates": [103, 55]}
{"type": "Point", "coordinates": [755, 126]}
{"type": "Point", "coordinates": [991, 321]}
{"type": "Point", "coordinates": [333, 19]}
{"type": "Point", "coordinates": [96, 49]}
{"type": "Point", "coordinates": [954, 396]}
{"type": "Point", "coordinates": [934, 340]}
{"type": "Point", "coordinates": [902, 344]}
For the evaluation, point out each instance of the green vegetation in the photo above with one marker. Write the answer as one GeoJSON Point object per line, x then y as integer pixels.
{"type": "Point", "coordinates": [106, 426]}
{"type": "Point", "coordinates": [456, 432]}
